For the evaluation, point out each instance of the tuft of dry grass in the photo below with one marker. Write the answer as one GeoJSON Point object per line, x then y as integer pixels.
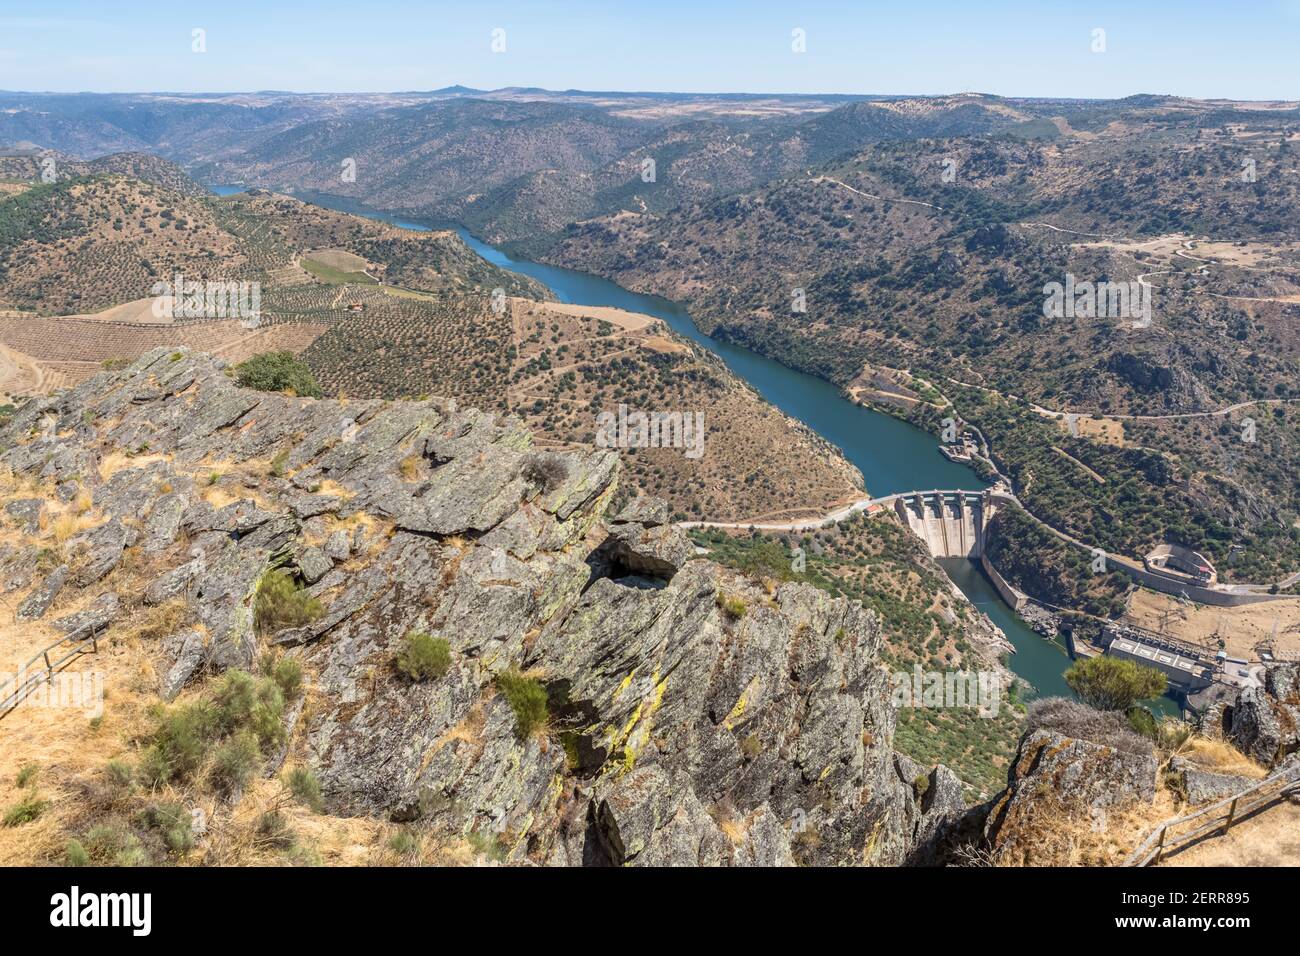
{"type": "Point", "coordinates": [1054, 834]}
{"type": "Point", "coordinates": [151, 624]}
{"type": "Point", "coordinates": [69, 525]}
{"type": "Point", "coordinates": [1219, 756]}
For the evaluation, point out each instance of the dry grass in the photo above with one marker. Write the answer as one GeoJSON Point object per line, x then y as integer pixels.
{"type": "Point", "coordinates": [1270, 838]}
{"type": "Point", "coordinates": [469, 730]}
{"type": "Point", "coordinates": [1219, 756]}
{"type": "Point", "coordinates": [68, 525]}
{"type": "Point", "coordinates": [116, 461]}
{"type": "Point", "coordinates": [152, 624]}
{"type": "Point", "coordinates": [69, 744]}
{"type": "Point", "coordinates": [1057, 835]}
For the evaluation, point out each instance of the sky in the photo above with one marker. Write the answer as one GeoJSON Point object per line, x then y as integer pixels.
{"type": "Point", "coordinates": [1238, 49]}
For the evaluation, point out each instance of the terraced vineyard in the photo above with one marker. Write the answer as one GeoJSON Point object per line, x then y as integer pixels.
{"type": "Point", "coordinates": [559, 367]}
{"type": "Point", "coordinates": [87, 244]}
{"type": "Point", "coordinates": [406, 346]}
{"type": "Point", "coordinates": [276, 230]}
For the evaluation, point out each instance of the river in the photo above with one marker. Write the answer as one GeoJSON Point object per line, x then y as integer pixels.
{"type": "Point", "coordinates": [892, 455]}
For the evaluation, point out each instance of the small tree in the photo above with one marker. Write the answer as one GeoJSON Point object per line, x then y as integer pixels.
{"type": "Point", "coordinates": [277, 372]}
{"type": "Point", "coordinates": [1110, 683]}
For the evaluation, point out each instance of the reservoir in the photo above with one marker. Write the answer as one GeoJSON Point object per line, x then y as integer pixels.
{"type": "Point", "coordinates": [892, 455]}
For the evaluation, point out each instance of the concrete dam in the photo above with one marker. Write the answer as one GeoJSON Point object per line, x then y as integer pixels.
{"type": "Point", "coordinates": [951, 523]}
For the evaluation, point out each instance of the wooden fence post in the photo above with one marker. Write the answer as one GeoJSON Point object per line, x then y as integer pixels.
{"type": "Point", "coordinates": [1232, 813]}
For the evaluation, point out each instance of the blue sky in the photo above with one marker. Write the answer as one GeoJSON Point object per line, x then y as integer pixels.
{"type": "Point", "coordinates": [1248, 49]}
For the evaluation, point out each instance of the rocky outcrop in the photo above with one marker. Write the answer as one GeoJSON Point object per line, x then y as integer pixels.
{"type": "Point", "coordinates": [1264, 722]}
{"type": "Point", "coordinates": [693, 718]}
{"type": "Point", "coordinates": [654, 551]}
{"type": "Point", "coordinates": [1199, 785]}
{"type": "Point", "coordinates": [1074, 763]}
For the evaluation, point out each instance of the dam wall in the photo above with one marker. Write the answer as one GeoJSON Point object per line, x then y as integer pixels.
{"type": "Point", "coordinates": [951, 523]}
{"type": "Point", "coordinates": [1014, 598]}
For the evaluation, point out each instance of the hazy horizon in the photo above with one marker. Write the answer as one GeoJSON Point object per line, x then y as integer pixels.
{"type": "Point", "coordinates": [578, 91]}
{"type": "Point", "coordinates": [1015, 48]}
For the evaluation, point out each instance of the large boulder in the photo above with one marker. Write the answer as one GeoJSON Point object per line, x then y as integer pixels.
{"type": "Point", "coordinates": [1264, 722]}
{"type": "Point", "coordinates": [1071, 767]}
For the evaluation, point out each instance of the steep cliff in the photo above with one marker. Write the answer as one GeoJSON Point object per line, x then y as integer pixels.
{"type": "Point", "coordinates": [690, 716]}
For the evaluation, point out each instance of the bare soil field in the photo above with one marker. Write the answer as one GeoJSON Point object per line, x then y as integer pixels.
{"type": "Point", "coordinates": [1241, 628]}
{"type": "Point", "coordinates": [137, 310]}
{"type": "Point", "coordinates": [1108, 431]}
{"type": "Point", "coordinates": [628, 321]}
{"type": "Point", "coordinates": [41, 354]}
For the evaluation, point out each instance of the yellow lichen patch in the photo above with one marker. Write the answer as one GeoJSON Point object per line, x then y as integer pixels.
{"type": "Point", "coordinates": [741, 705]}
{"type": "Point", "coordinates": [637, 731]}
{"type": "Point", "coordinates": [622, 688]}
{"type": "Point", "coordinates": [869, 845]}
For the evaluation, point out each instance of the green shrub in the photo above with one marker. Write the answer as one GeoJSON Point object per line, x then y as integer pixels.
{"type": "Point", "coordinates": [28, 774]}
{"type": "Point", "coordinates": [74, 854]}
{"type": "Point", "coordinates": [114, 843]}
{"type": "Point", "coordinates": [133, 855]}
{"type": "Point", "coordinates": [732, 606]}
{"type": "Point", "coordinates": [280, 464]}
{"type": "Point", "coordinates": [1110, 683]}
{"type": "Point", "coordinates": [244, 712]}
{"type": "Point", "coordinates": [1143, 721]}
{"type": "Point", "coordinates": [302, 783]}
{"type": "Point", "coordinates": [277, 372]}
{"type": "Point", "coordinates": [273, 830]}
{"type": "Point", "coordinates": [527, 698]}
{"type": "Point", "coordinates": [25, 810]}
{"type": "Point", "coordinates": [299, 855]}
{"type": "Point", "coordinates": [403, 842]}
{"type": "Point", "coordinates": [423, 656]}
{"type": "Point", "coordinates": [181, 741]}
{"type": "Point", "coordinates": [120, 776]}
{"type": "Point", "coordinates": [287, 674]}
{"type": "Point", "coordinates": [235, 763]}
{"type": "Point", "coordinates": [173, 823]}
{"type": "Point", "coordinates": [280, 603]}
{"type": "Point", "coordinates": [243, 702]}
{"type": "Point", "coordinates": [488, 845]}
{"type": "Point", "coordinates": [921, 785]}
